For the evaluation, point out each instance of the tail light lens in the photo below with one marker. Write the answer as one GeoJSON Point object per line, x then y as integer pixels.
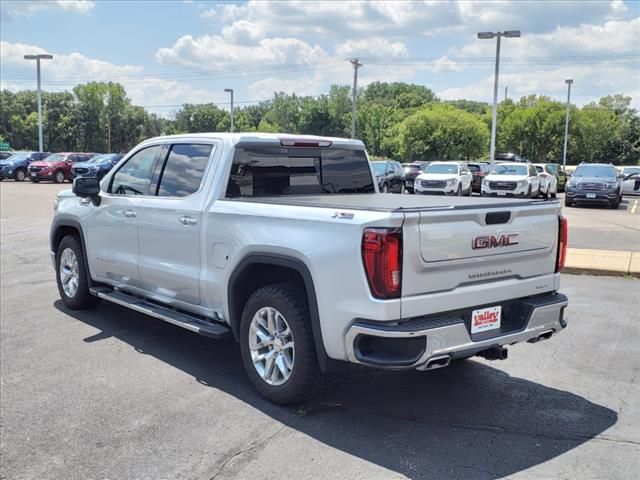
{"type": "Point", "coordinates": [563, 238]}
{"type": "Point", "coordinates": [382, 259]}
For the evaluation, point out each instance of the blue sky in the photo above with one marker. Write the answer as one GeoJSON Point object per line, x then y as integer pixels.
{"type": "Point", "coordinates": [170, 52]}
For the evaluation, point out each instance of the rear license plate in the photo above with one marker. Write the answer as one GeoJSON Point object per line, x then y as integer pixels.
{"type": "Point", "coordinates": [502, 193]}
{"type": "Point", "coordinates": [485, 319]}
{"type": "Point", "coordinates": [591, 195]}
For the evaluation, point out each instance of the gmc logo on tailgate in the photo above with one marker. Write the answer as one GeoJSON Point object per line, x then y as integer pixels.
{"type": "Point", "coordinates": [492, 241]}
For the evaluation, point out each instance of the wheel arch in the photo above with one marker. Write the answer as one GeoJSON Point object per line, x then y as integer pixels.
{"type": "Point", "coordinates": [62, 227]}
{"type": "Point", "coordinates": [250, 274]}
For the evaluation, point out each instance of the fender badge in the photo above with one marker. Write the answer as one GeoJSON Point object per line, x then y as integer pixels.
{"type": "Point", "coordinates": [343, 215]}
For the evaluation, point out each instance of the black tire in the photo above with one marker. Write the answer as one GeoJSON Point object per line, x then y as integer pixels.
{"type": "Point", "coordinates": [529, 193]}
{"type": "Point", "coordinates": [385, 188]}
{"type": "Point", "coordinates": [304, 382]}
{"type": "Point", "coordinates": [459, 192]}
{"type": "Point", "coordinates": [35, 180]}
{"type": "Point", "coordinates": [20, 175]}
{"type": "Point", "coordinates": [82, 299]}
{"type": "Point", "coordinates": [410, 190]}
{"type": "Point", "coordinates": [59, 177]}
{"type": "Point", "coordinates": [567, 202]}
{"type": "Point", "coordinates": [615, 205]}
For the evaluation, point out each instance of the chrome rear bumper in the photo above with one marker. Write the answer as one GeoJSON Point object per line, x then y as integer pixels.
{"type": "Point", "coordinates": [448, 335]}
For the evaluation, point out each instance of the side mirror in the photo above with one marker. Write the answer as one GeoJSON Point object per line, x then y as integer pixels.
{"type": "Point", "coordinates": [87, 187]}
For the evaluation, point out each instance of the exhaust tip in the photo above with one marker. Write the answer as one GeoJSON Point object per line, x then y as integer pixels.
{"type": "Point", "coordinates": [438, 362]}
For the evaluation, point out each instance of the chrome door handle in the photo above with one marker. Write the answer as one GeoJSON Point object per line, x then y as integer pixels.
{"type": "Point", "coordinates": [129, 213]}
{"type": "Point", "coordinates": [188, 220]}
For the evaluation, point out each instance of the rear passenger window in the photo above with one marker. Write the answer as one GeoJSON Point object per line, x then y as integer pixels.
{"type": "Point", "coordinates": [183, 171]}
{"type": "Point", "coordinates": [134, 177]}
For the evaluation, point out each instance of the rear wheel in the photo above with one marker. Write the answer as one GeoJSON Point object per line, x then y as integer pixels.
{"type": "Point", "coordinates": [59, 176]}
{"type": "Point", "coordinates": [19, 175]}
{"type": "Point", "coordinates": [72, 276]}
{"type": "Point", "coordinates": [277, 345]}
{"type": "Point", "coordinates": [567, 202]}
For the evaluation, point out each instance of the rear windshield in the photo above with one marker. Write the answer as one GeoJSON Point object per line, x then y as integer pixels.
{"type": "Point", "coordinates": [473, 167]}
{"type": "Point", "coordinates": [602, 171]}
{"type": "Point", "coordinates": [441, 168]}
{"type": "Point", "coordinates": [266, 171]}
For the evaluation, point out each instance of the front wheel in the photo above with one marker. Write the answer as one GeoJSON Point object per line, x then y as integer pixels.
{"type": "Point", "coordinates": [459, 192]}
{"type": "Point", "coordinates": [72, 276]}
{"type": "Point", "coordinates": [567, 202]}
{"type": "Point", "coordinates": [19, 175]}
{"type": "Point", "coordinates": [277, 345]}
{"type": "Point", "coordinates": [59, 176]}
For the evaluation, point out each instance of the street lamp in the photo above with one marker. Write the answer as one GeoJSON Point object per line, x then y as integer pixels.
{"type": "Point", "coordinates": [568, 81]}
{"type": "Point", "coordinates": [37, 58]}
{"type": "Point", "coordinates": [230, 90]}
{"type": "Point", "coordinates": [487, 36]}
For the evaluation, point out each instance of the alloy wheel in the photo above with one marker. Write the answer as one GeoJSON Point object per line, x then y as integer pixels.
{"type": "Point", "coordinates": [69, 272]}
{"type": "Point", "coordinates": [271, 346]}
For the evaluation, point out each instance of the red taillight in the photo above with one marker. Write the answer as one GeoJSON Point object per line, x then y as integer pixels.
{"type": "Point", "coordinates": [382, 259]}
{"type": "Point", "coordinates": [563, 238]}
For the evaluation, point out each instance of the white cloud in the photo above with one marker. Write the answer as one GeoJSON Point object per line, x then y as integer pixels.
{"type": "Point", "coordinates": [265, 88]}
{"type": "Point", "coordinates": [404, 19]}
{"type": "Point", "coordinates": [67, 70]}
{"type": "Point", "coordinates": [16, 8]}
{"type": "Point", "coordinates": [214, 52]}
{"type": "Point", "coordinates": [590, 83]}
{"type": "Point", "coordinates": [371, 47]}
{"type": "Point", "coordinates": [243, 32]}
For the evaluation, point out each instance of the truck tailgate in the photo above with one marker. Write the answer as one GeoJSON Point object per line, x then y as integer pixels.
{"type": "Point", "coordinates": [449, 249]}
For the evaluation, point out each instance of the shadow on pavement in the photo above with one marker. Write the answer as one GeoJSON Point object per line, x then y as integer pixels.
{"type": "Point", "coordinates": [469, 420]}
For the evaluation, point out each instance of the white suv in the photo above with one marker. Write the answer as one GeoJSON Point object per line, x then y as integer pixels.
{"type": "Point", "coordinates": [548, 180]}
{"type": "Point", "coordinates": [512, 180]}
{"type": "Point", "coordinates": [449, 178]}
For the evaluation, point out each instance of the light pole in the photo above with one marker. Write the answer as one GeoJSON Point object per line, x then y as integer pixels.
{"type": "Point", "coordinates": [568, 81]}
{"type": "Point", "coordinates": [356, 65]}
{"type": "Point", "coordinates": [497, 35]}
{"type": "Point", "coordinates": [230, 91]}
{"type": "Point", "coordinates": [37, 58]}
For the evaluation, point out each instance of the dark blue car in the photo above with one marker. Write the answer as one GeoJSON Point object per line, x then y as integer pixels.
{"type": "Point", "coordinates": [17, 164]}
{"type": "Point", "coordinates": [97, 167]}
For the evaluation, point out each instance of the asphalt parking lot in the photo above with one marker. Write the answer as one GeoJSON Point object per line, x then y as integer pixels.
{"type": "Point", "coordinates": [109, 393]}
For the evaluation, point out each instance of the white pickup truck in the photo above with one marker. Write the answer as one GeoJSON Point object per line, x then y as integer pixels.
{"type": "Point", "coordinates": [285, 243]}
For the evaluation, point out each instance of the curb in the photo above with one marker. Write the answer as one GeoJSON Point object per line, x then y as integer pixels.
{"type": "Point", "coordinates": [602, 262]}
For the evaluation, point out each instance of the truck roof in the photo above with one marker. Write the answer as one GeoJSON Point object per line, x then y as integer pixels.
{"type": "Point", "coordinates": [257, 137]}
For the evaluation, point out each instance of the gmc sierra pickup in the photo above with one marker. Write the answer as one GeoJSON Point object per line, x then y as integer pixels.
{"type": "Point", "coordinates": [285, 243]}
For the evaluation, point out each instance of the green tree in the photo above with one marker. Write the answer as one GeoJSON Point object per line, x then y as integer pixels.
{"type": "Point", "coordinates": [440, 132]}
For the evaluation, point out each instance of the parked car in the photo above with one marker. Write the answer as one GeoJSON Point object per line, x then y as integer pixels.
{"type": "Point", "coordinates": [444, 178]}
{"type": "Point", "coordinates": [596, 183]}
{"type": "Point", "coordinates": [479, 170]}
{"type": "Point", "coordinates": [97, 166]}
{"type": "Point", "coordinates": [411, 171]}
{"type": "Point", "coordinates": [512, 180]}
{"type": "Point", "coordinates": [4, 155]}
{"type": "Point", "coordinates": [548, 181]}
{"type": "Point", "coordinates": [389, 175]}
{"type": "Point", "coordinates": [560, 174]}
{"type": "Point", "coordinates": [223, 244]}
{"type": "Point", "coordinates": [631, 181]}
{"type": "Point", "coordinates": [510, 157]}
{"type": "Point", "coordinates": [56, 167]}
{"type": "Point", "coordinates": [16, 166]}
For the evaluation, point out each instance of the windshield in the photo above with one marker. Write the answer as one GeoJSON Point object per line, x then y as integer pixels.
{"type": "Point", "coordinates": [441, 168]}
{"type": "Point", "coordinates": [17, 157]}
{"type": "Point", "coordinates": [553, 168]}
{"type": "Point", "coordinates": [267, 170]}
{"type": "Point", "coordinates": [56, 157]}
{"type": "Point", "coordinates": [379, 167]}
{"type": "Point", "coordinates": [101, 158]}
{"type": "Point", "coordinates": [630, 170]}
{"type": "Point", "coordinates": [599, 171]}
{"type": "Point", "coordinates": [510, 170]}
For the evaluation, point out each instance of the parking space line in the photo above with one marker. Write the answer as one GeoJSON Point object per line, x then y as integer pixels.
{"type": "Point", "coordinates": [633, 208]}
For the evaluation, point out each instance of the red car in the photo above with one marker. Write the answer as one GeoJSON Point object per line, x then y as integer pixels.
{"type": "Point", "coordinates": [56, 167]}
